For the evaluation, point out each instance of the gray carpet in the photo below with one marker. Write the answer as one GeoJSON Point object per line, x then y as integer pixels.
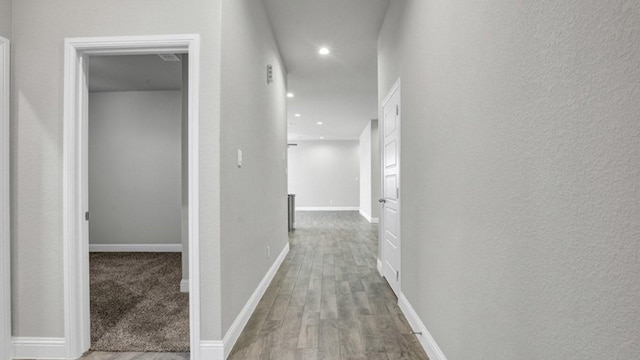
{"type": "Point", "coordinates": [136, 303]}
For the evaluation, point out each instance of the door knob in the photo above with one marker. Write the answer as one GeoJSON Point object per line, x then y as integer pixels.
{"type": "Point", "coordinates": [382, 201]}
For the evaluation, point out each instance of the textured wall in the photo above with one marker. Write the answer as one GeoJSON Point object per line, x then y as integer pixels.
{"type": "Point", "coordinates": [135, 167]}
{"type": "Point", "coordinates": [39, 29]}
{"type": "Point", "coordinates": [521, 161]}
{"type": "Point", "coordinates": [376, 176]}
{"type": "Point", "coordinates": [254, 197]}
{"type": "Point", "coordinates": [365, 170]}
{"type": "Point", "coordinates": [325, 173]}
{"type": "Point", "coordinates": [5, 18]}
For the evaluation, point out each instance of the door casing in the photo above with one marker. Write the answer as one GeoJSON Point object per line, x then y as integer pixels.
{"type": "Point", "coordinates": [75, 179]}
{"type": "Point", "coordinates": [5, 234]}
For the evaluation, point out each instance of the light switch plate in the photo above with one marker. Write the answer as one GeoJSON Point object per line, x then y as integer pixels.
{"type": "Point", "coordinates": [239, 158]}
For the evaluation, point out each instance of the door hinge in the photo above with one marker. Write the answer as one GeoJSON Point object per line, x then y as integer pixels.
{"type": "Point", "coordinates": [397, 275]}
{"type": "Point", "coordinates": [397, 110]}
{"type": "Point", "coordinates": [397, 193]}
{"type": "Point", "coordinates": [86, 216]}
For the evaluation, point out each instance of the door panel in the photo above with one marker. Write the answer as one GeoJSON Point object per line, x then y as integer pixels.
{"type": "Point", "coordinates": [390, 154]}
{"type": "Point", "coordinates": [391, 244]}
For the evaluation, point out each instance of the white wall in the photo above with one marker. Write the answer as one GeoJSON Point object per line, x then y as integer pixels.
{"type": "Point", "coordinates": [135, 167]}
{"type": "Point", "coordinates": [5, 19]}
{"type": "Point", "coordinates": [254, 120]}
{"type": "Point", "coordinates": [325, 174]}
{"type": "Point", "coordinates": [520, 168]}
{"type": "Point", "coordinates": [365, 171]}
{"type": "Point", "coordinates": [36, 150]}
{"type": "Point", "coordinates": [376, 176]}
{"type": "Point", "coordinates": [370, 177]}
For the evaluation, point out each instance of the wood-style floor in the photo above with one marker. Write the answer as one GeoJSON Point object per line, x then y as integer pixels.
{"type": "Point", "coordinates": [327, 301]}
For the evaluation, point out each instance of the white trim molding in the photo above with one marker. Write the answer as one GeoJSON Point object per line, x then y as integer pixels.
{"type": "Point", "coordinates": [368, 217]}
{"type": "Point", "coordinates": [75, 179]}
{"type": "Point", "coordinates": [5, 237]}
{"type": "Point", "coordinates": [135, 247]}
{"type": "Point", "coordinates": [38, 348]}
{"type": "Point", "coordinates": [212, 350]}
{"type": "Point", "coordinates": [241, 320]}
{"type": "Point", "coordinates": [184, 285]}
{"type": "Point", "coordinates": [328, 208]}
{"type": "Point", "coordinates": [379, 266]}
{"type": "Point", "coordinates": [426, 340]}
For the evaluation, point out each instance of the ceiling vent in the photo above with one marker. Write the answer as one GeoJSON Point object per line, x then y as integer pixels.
{"type": "Point", "coordinates": [169, 57]}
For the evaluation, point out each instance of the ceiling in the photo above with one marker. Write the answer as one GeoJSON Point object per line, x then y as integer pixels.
{"type": "Point", "coordinates": [133, 73]}
{"type": "Point", "coordinates": [339, 89]}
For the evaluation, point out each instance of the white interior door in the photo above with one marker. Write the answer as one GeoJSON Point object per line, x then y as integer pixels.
{"type": "Point", "coordinates": [391, 243]}
{"type": "Point", "coordinates": [5, 253]}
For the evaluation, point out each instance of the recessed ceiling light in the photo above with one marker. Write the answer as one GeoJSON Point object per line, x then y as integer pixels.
{"type": "Point", "coordinates": [297, 115]}
{"type": "Point", "coordinates": [290, 95]}
{"type": "Point", "coordinates": [319, 123]}
{"type": "Point", "coordinates": [324, 51]}
{"type": "Point", "coordinates": [321, 137]}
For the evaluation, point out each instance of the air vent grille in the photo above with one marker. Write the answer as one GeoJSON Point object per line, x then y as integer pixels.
{"type": "Point", "coordinates": [169, 57]}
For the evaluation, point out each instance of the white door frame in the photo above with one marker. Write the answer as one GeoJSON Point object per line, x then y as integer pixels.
{"type": "Point", "coordinates": [5, 235]}
{"type": "Point", "coordinates": [396, 88]}
{"type": "Point", "coordinates": [75, 181]}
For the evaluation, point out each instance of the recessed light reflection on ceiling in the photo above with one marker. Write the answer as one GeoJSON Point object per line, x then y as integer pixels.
{"type": "Point", "coordinates": [297, 115]}
{"type": "Point", "coordinates": [290, 95]}
{"type": "Point", "coordinates": [321, 137]}
{"type": "Point", "coordinates": [324, 51]}
{"type": "Point", "coordinates": [319, 123]}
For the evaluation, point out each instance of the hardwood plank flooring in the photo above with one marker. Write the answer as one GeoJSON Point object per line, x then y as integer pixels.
{"type": "Point", "coordinates": [327, 301]}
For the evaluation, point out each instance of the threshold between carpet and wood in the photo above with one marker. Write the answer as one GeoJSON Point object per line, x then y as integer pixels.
{"type": "Point", "coordinates": [136, 303]}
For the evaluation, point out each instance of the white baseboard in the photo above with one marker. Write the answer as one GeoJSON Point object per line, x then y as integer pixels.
{"type": "Point", "coordinates": [379, 266]}
{"type": "Point", "coordinates": [38, 348]}
{"type": "Point", "coordinates": [426, 340]}
{"type": "Point", "coordinates": [135, 247]}
{"type": "Point", "coordinates": [241, 320]}
{"type": "Point", "coordinates": [212, 350]}
{"type": "Point", "coordinates": [368, 217]}
{"type": "Point", "coordinates": [184, 285]}
{"type": "Point", "coordinates": [327, 208]}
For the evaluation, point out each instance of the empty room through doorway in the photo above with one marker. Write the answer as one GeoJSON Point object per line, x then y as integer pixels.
{"type": "Point", "coordinates": [137, 192]}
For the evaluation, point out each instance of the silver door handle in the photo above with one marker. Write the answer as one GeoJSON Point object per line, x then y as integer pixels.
{"type": "Point", "coordinates": [382, 201]}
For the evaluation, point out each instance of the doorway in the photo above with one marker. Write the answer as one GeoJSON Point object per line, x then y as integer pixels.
{"type": "Point", "coordinates": [391, 245]}
{"type": "Point", "coordinates": [137, 197]}
{"type": "Point", "coordinates": [76, 170]}
{"type": "Point", "coordinates": [5, 247]}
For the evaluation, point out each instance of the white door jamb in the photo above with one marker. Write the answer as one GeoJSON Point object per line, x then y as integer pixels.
{"type": "Point", "coordinates": [5, 238]}
{"type": "Point", "coordinates": [75, 228]}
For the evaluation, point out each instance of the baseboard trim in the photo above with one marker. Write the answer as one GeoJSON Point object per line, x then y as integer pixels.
{"type": "Point", "coordinates": [327, 208]}
{"type": "Point", "coordinates": [379, 266]}
{"type": "Point", "coordinates": [211, 350]}
{"type": "Point", "coordinates": [426, 340]}
{"type": "Point", "coordinates": [135, 247]}
{"type": "Point", "coordinates": [365, 215]}
{"type": "Point", "coordinates": [38, 348]}
{"type": "Point", "coordinates": [184, 285]}
{"type": "Point", "coordinates": [368, 217]}
{"type": "Point", "coordinates": [241, 320]}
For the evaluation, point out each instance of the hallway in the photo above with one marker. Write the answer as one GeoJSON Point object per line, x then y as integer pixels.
{"type": "Point", "coordinates": [328, 301]}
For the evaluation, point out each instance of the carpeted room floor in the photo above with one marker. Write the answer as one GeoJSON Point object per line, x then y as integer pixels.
{"type": "Point", "coordinates": [136, 303]}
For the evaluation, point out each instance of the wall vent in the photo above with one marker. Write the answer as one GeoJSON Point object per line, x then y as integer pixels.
{"type": "Point", "coordinates": [169, 57]}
